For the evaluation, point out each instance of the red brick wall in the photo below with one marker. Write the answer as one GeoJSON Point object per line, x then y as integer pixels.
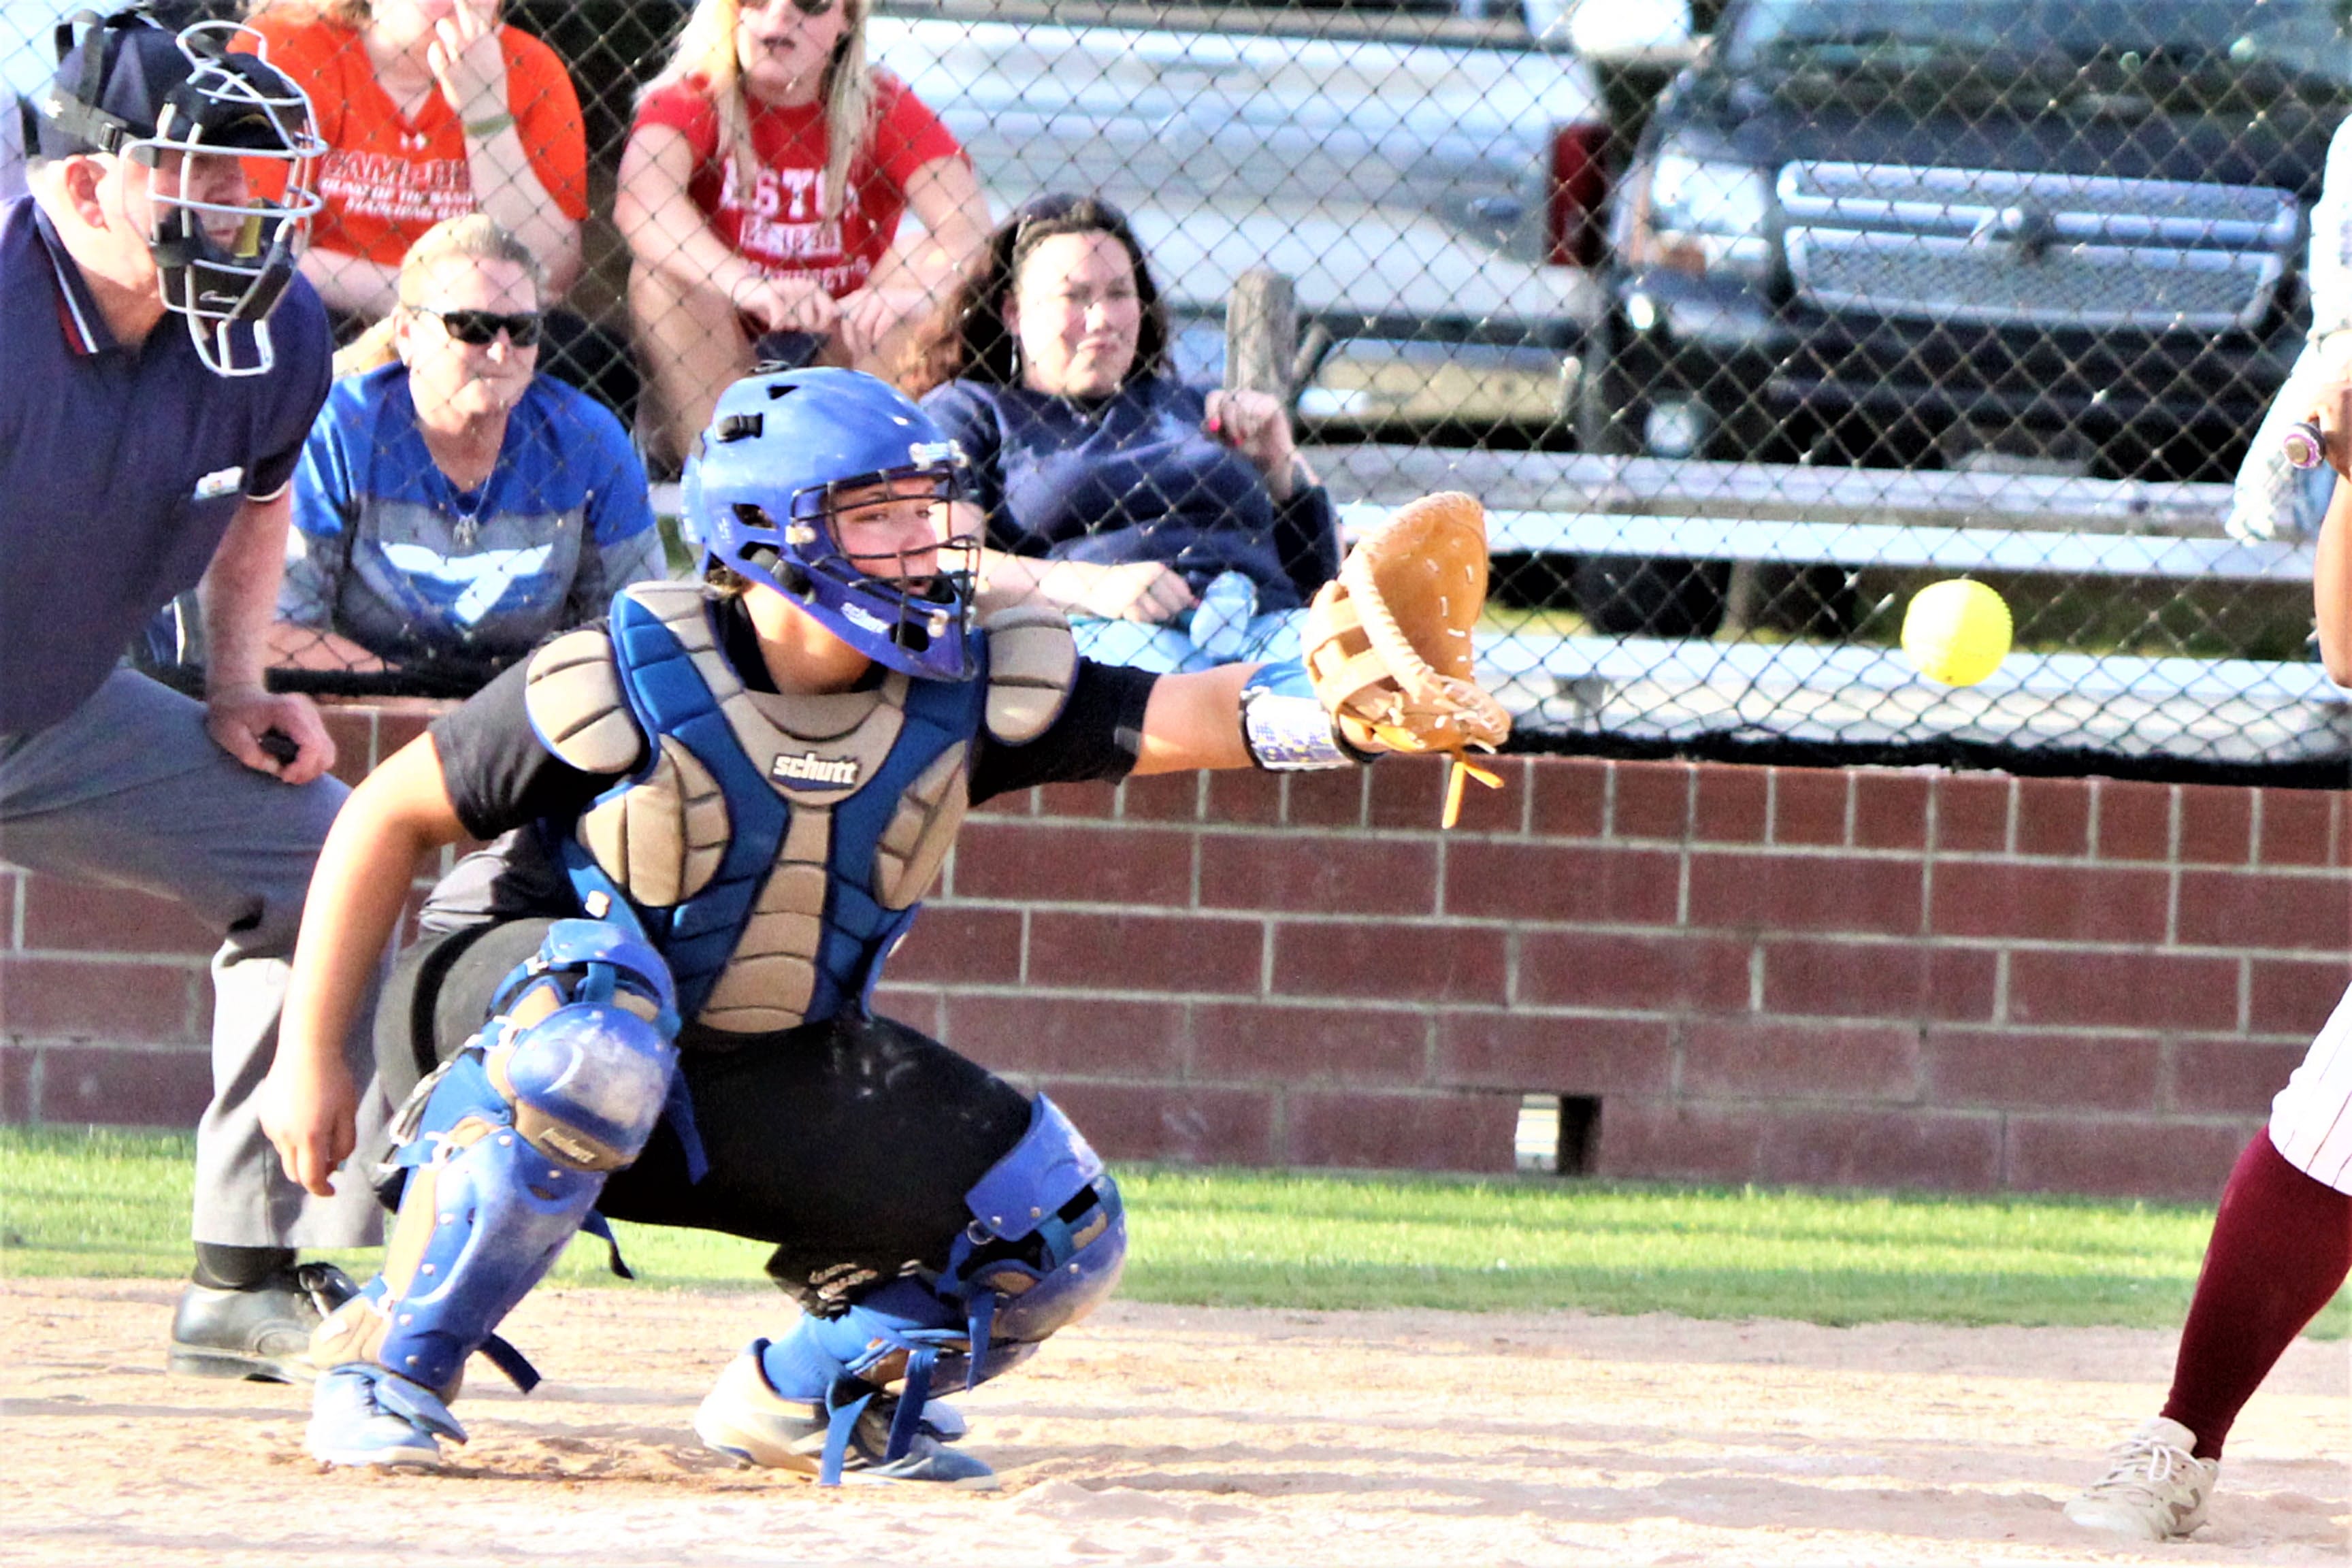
{"type": "Point", "coordinates": [1963, 982]}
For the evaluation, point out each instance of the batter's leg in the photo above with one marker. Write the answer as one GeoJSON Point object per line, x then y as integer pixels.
{"type": "Point", "coordinates": [2281, 1248]}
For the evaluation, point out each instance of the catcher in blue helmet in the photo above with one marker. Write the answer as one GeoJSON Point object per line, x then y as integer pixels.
{"type": "Point", "coordinates": [709, 819]}
{"type": "Point", "coordinates": [834, 501]}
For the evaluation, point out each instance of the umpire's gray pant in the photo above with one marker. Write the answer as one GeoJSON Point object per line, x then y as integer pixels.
{"type": "Point", "coordinates": [130, 792]}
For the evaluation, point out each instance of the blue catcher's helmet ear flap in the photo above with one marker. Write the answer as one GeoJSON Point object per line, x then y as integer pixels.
{"type": "Point", "coordinates": [764, 494]}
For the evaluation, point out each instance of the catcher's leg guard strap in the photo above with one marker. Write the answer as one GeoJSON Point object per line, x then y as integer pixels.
{"type": "Point", "coordinates": [513, 1146]}
{"type": "Point", "coordinates": [1285, 726]}
{"type": "Point", "coordinates": [899, 1333]}
{"type": "Point", "coordinates": [1046, 1244]}
{"type": "Point", "coordinates": [1045, 1247]}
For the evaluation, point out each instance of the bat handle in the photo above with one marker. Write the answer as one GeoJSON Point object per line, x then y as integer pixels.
{"type": "Point", "coordinates": [2306, 445]}
{"type": "Point", "coordinates": [278, 746]}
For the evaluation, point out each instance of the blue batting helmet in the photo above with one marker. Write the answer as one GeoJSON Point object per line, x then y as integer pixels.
{"type": "Point", "coordinates": [760, 496]}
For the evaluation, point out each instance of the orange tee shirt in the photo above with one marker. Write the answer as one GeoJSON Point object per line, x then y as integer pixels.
{"type": "Point", "coordinates": [385, 179]}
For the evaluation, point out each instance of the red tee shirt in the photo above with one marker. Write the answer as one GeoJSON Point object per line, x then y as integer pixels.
{"type": "Point", "coordinates": [386, 180]}
{"type": "Point", "coordinates": [780, 228]}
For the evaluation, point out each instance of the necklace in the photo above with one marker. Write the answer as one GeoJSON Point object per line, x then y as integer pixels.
{"type": "Point", "coordinates": [467, 520]}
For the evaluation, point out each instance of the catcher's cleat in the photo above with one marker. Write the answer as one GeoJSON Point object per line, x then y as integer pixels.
{"type": "Point", "coordinates": [362, 1415]}
{"type": "Point", "coordinates": [262, 1332]}
{"type": "Point", "coordinates": [743, 1415]}
{"type": "Point", "coordinates": [2155, 1487]}
{"type": "Point", "coordinates": [943, 1421]}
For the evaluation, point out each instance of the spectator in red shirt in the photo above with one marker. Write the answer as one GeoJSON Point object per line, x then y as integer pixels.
{"type": "Point", "coordinates": [761, 195]}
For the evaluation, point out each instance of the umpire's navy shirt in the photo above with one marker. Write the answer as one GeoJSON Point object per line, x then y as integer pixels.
{"type": "Point", "coordinates": [119, 467]}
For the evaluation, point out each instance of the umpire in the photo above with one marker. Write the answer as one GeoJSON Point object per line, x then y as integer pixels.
{"type": "Point", "coordinates": [162, 364]}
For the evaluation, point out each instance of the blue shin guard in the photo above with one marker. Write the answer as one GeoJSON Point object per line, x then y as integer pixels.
{"type": "Point", "coordinates": [1044, 1248]}
{"type": "Point", "coordinates": [513, 1142]}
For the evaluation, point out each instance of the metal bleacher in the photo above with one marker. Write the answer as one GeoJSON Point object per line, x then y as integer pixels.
{"type": "Point", "coordinates": [2236, 711]}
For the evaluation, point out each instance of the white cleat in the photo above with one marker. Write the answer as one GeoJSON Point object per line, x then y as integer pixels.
{"type": "Point", "coordinates": [2156, 1488]}
{"type": "Point", "coordinates": [744, 1417]}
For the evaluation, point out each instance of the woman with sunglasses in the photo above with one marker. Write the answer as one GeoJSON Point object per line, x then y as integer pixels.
{"type": "Point", "coordinates": [453, 506]}
{"type": "Point", "coordinates": [1176, 532]}
{"type": "Point", "coordinates": [761, 195]}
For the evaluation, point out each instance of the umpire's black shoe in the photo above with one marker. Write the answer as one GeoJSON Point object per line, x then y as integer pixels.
{"type": "Point", "coordinates": [262, 1332]}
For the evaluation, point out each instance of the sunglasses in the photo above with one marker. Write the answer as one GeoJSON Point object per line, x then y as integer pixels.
{"type": "Point", "coordinates": [481, 328]}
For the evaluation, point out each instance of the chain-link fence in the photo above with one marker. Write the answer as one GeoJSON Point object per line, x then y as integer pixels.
{"type": "Point", "coordinates": [1879, 292]}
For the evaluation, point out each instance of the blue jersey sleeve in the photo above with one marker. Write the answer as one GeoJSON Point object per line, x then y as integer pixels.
{"type": "Point", "coordinates": [622, 545]}
{"type": "Point", "coordinates": [620, 508]}
{"type": "Point", "coordinates": [326, 488]}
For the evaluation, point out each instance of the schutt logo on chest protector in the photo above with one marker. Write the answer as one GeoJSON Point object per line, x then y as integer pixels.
{"type": "Point", "coordinates": [809, 768]}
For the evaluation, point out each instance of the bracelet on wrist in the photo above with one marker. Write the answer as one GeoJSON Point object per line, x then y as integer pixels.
{"type": "Point", "coordinates": [489, 125]}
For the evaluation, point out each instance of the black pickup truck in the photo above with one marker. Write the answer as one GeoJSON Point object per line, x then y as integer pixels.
{"type": "Point", "coordinates": [2055, 234]}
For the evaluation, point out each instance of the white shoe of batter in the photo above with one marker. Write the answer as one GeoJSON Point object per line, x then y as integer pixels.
{"type": "Point", "coordinates": [2156, 1488]}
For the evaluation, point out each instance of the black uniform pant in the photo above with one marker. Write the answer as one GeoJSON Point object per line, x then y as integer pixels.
{"type": "Point", "coordinates": [849, 1143]}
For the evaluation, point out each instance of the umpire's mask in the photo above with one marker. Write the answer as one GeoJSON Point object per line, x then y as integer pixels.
{"type": "Point", "coordinates": [187, 105]}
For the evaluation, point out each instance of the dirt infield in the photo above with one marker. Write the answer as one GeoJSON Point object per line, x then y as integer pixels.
{"type": "Point", "coordinates": [1161, 1434]}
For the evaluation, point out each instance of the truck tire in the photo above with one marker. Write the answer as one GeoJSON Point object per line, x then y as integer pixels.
{"type": "Point", "coordinates": [1632, 595]}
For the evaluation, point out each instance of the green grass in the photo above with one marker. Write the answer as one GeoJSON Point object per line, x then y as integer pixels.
{"type": "Point", "coordinates": [103, 1203]}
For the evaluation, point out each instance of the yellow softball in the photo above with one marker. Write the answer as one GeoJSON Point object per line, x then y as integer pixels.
{"type": "Point", "coordinates": [1957, 632]}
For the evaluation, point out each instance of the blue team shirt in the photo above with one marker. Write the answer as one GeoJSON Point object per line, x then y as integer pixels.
{"type": "Point", "coordinates": [120, 468]}
{"type": "Point", "coordinates": [387, 552]}
{"type": "Point", "coordinates": [1133, 477]}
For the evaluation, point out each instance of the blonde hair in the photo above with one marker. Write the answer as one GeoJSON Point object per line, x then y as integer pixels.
{"type": "Point", "coordinates": [352, 14]}
{"type": "Point", "coordinates": [706, 49]}
{"type": "Point", "coordinates": [471, 237]}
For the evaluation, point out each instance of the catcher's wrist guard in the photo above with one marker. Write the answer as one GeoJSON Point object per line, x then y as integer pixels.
{"type": "Point", "coordinates": [1285, 726]}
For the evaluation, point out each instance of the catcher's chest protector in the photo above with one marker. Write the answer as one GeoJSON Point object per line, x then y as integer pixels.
{"type": "Point", "coordinates": [772, 847]}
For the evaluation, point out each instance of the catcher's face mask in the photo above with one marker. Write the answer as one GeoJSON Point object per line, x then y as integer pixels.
{"type": "Point", "coordinates": [827, 486]}
{"type": "Point", "coordinates": [226, 125]}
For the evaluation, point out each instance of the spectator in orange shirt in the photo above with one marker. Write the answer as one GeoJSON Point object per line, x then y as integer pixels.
{"type": "Point", "coordinates": [760, 194]}
{"type": "Point", "coordinates": [432, 108]}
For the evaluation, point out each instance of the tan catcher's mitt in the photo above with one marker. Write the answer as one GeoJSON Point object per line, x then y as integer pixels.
{"type": "Point", "coordinates": [1387, 645]}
